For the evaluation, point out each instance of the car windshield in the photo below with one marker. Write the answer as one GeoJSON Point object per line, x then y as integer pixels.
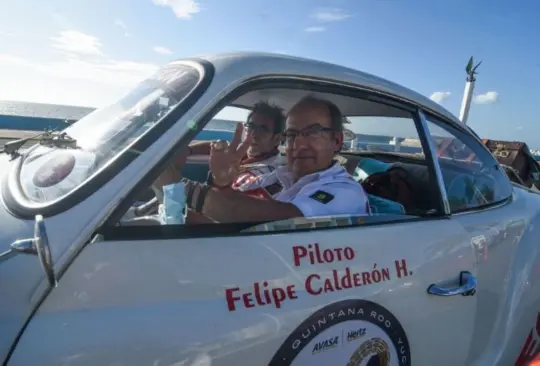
{"type": "Point", "coordinates": [49, 173]}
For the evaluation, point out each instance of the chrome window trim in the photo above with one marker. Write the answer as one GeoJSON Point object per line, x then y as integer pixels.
{"type": "Point", "coordinates": [430, 152]}
{"type": "Point", "coordinates": [485, 208]}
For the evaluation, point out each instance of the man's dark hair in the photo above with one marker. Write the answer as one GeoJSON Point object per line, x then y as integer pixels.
{"type": "Point", "coordinates": [336, 118]}
{"type": "Point", "coordinates": [272, 112]}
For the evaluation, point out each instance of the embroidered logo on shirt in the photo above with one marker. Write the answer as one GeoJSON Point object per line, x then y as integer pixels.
{"type": "Point", "coordinates": [322, 197]}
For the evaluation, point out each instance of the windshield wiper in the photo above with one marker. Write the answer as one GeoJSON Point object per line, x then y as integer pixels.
{"type": "Point", "coordinates": [58, 139]}
{"type": "Point", "coordinates": [47, 138]}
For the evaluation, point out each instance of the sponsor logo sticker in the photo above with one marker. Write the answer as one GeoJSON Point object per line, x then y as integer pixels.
{"type": "Point", "coordinates": [349, 332]}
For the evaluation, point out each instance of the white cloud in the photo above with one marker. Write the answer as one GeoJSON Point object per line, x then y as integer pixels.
{"type": "Point", "coordinates": [330, 15]}
{"type": "Point", "coordinates": [70, 80]}
{"type": "Point", "coordinates": [440, 96]}
{"type": "Point", "coordinates": [77, 42]}
{"type": "Point", "coordinates": [82, 75]}
{"type": "Point", "coordinates": [489, 97]}
{"type": "Point", "coordinates": [6, 34]}
{"type": "Point", "coordinates": [162, 50]}
{"type": "Point", "coordinates": [122, 25]}
{"type": "Point", "coordinates": [315, 29]}
{"type": "Point", "coordinates": [183, 9]}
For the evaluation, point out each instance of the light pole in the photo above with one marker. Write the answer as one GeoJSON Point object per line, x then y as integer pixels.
{"type": "Point", "coordinates": [469, 88]}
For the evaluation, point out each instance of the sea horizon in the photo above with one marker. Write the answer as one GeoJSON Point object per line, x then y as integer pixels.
{"type": "Point", "coordinates": [38, 116]}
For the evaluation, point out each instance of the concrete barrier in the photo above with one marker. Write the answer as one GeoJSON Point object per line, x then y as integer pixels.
{"type": "Point", "coordinates": [21, 123]}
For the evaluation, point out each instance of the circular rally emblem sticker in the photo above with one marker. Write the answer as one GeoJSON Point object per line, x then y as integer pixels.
{"type": "Point", "coordinates": [349, 332]}
{"type": "Point", "coordinates": [54, 170]}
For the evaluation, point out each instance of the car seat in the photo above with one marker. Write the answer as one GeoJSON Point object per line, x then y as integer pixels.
{"type": "Point", "coordinates": [404, 184]}
{"type": "Point", "coordinates": [368, 166]}
{"type": "Point", "coordinates": [365, 168]}
{"type": "Point", "coordinates": [382, 206]}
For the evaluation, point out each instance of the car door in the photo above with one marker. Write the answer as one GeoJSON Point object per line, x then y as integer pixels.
{"type": "Point", "coordinates": [284, 295]}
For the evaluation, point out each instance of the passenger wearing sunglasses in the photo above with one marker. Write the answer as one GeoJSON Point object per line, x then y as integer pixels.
{"type": "Point", "coordinates": [313, 183]}
{"type": "Point", "coordinates": [264, 125]}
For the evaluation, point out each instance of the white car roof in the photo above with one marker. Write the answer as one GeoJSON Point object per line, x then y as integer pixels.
{"type": "Point", "coordinates": [242, 64]}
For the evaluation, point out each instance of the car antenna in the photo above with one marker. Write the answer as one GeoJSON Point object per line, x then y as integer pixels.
{"type": "Point", "coordinates": [12, 147]}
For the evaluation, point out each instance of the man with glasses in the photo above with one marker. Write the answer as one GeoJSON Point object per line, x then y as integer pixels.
{"type": "Point", "coordinates": [265, 124]}
{"type": "Point", "coordinates": [313, 183]}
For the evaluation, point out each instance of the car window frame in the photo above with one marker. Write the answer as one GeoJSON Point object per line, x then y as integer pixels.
{"type": "Point", "coordinates": [12, 192]}
{"type": "Point", "coordinates": [440, 121]}
{"type": "Point", "coordinates": [287, 81]}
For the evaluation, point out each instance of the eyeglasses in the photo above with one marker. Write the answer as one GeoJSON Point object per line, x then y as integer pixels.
{"type": "Point", "coordinates": [312, 132]}
{"type": "Point", "coordinates": [253, 127]}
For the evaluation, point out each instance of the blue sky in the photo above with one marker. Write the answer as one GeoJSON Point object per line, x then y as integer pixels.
{"type": "Point", "coordinates": [87, 52]}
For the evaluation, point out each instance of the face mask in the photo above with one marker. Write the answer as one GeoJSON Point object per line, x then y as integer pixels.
{"type": "Point", "coordinates": [172, 211]}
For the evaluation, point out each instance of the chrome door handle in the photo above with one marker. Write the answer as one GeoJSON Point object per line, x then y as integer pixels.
{"type": "Point", "coordinates": [467, 286]}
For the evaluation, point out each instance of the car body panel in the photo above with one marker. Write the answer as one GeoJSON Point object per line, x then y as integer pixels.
{"type": "Point", "coordinates": [175, 291]}
{"type": "Point", "coordinates": [241, 65]}
{"type": "Point", "coordinates": [509, 295]}
{"type": "Point", "coordinates": [22, 277]}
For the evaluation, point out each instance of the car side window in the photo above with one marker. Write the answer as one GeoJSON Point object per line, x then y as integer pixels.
{"type": "Point", "coordinates": [223, 124]}
{"type": "Point", "coordinates": [382, 153]}
{"type": "Point", "coordinates": [473, 178]}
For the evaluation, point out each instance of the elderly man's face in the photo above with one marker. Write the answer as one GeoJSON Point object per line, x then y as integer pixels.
{"type": "Point", "coordinates": [311, 142]}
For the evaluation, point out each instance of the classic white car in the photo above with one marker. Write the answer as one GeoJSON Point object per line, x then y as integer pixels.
{"type": "Point", "coordinates": [445, 272]}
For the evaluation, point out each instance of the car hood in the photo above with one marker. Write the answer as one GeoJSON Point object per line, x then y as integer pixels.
{"type": "Point", "coordinates": [19, 275]}
{"type": "Point", "coordinates": [11, 227]}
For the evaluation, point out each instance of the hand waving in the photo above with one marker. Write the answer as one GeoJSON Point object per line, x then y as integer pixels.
{"type": "Point", "coordinates": [225, 159]}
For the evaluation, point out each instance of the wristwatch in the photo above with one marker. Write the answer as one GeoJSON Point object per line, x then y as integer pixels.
{"type": "Point", "coordinates": [210, 182]}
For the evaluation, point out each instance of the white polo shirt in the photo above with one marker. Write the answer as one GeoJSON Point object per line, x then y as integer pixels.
{"type": "Point", "coordinates": [327, 193]}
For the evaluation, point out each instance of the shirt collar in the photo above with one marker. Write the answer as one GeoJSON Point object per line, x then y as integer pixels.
{"type": "Point", "coordinates": [285, 176]}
